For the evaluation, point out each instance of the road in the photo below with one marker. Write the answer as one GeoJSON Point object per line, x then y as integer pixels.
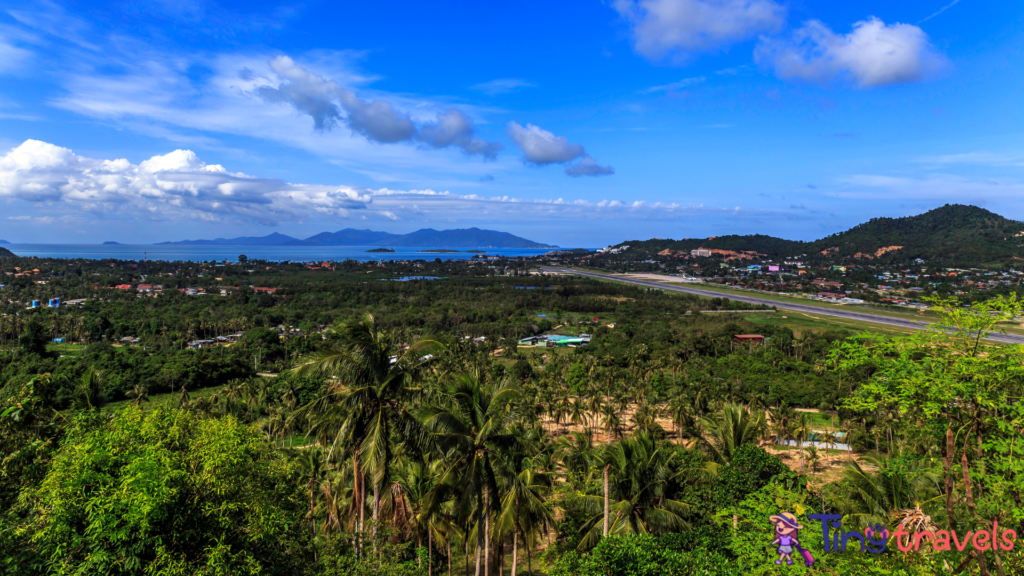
{"type": "Point", "coordinates": [821, 311]}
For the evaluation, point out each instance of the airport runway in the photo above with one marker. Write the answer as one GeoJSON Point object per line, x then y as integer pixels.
{"type": "Point", "coordinates": [836, 312]}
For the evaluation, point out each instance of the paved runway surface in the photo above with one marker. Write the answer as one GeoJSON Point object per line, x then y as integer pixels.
{"type": "Point", "coordinates": [836, 312]}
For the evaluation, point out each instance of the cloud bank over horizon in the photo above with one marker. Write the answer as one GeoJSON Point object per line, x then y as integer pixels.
{"type": "Point", "coordinates": [180, 185]}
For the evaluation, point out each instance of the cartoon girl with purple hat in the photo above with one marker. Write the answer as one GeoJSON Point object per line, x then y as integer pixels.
{"type": "Point", "coordinates": [786, 530]}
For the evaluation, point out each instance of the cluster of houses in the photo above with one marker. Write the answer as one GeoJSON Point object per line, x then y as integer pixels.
{"type": "Point", "coordinates": [154, 289]}
{"type": "Point", "coordinates": [216, 341]}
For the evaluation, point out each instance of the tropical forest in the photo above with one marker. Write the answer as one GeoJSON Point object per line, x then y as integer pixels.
{"type": "Point", "coordinates": [488, 418]}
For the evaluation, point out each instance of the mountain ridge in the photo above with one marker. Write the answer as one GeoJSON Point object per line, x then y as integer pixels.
{"type": "Point", "coordinates": [274, 239]}
{"type": "Point", "coordinates": [426, 237]}
{"type": "Point", "coordinates": [952, 232]}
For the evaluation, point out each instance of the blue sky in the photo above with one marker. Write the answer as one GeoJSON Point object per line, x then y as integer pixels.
{"type": "Point", "coordinates": [577, 123]}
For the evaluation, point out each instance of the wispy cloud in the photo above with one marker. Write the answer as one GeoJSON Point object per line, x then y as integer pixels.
{"type": "Point", "coordinates": [933, 188]}
{"type": "Point", "coordinates": [502, 86]}
{"type": "Point", "coordinates": [939, 11]}
{"type": "Point", "coordinates": [980, 158]}
{"type": "Point", "coordinates": [674, 86]}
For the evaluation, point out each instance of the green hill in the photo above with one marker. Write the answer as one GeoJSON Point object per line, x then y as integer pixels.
{"type": "Point", "coordinates": [954, 233]}
{"type": "Point", "coordinates": [769, 246]}
{"type": "Point", "coordinates": [5, 253]}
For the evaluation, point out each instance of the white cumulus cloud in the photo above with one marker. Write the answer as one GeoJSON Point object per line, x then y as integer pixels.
{"type": "Point", "coordinates": [872, 54]}
{"type": "Point", "coordinates": [680, 29]}
{"type": "Point", "coordinates": [173, 185]}
{"type": "Point", "coordinates": [541, 147]}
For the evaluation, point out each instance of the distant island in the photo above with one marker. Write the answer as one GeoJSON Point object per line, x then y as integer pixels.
{"type": "Point", "coordinates": [4, 242]}
{"type": "Point", "coordinates": [382, 250]}
{"type": "Point", "coordinates": [111, 243]}
{"type": "Point", "coordinates": [439, 251]}
{"type": "Point", "coordinates": [447, 239]}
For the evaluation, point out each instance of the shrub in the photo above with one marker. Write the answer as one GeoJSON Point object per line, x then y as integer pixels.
{"type": "Point", "coordinates": [643, 556]}
{"type": "Point", "coordinates": [164, 492]}
{"type": "Point", "coordinates": [750, 469]}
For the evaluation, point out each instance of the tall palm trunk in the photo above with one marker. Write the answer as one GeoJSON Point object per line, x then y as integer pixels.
{"type": "Point", "coordinates": [607, 504]}
{"type": "Point", "coordinates": [529, 555]}
{"type": "Point", "coordinates": [515, 549]}
{"type": "Point", "coordinates": [358, 487]}
{"type": "Point", "coordinates": [430, 548]}
{"type": "Point", "coordinates": [376, 511]}
{"type": "Point", "coordinates": [449, 539]}
{"type": "Point", "coordinates": [487, 530]}
{"type": "Point", "coordinates": [479, 537]}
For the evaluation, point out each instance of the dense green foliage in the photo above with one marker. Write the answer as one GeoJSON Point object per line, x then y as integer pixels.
{"type": "Point", "coordinates": [163, 492]}
{"type": "Point", "coordinates": [394, 443]}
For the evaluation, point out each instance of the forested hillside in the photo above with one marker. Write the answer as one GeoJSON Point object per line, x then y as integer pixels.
{"type": "Point", "coordinates": [955, 234]}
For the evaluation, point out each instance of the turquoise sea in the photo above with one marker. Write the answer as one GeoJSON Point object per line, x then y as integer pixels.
{"type": "Point", "coordinates": [231, 253]}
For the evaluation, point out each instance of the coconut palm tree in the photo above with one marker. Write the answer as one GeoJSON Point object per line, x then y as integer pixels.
{"type": "Point", "coordinates": [639, 473]}
{"type": "Point", "coordinates": [812, 457]}
{"type": "Point", "coordinates": [897, 484]}
{"type": "Point", "coordinates": [524, 486]}
{"type": "Point", "coordinates": [612, 422]}
{"type": "Point", "coordinates": [89, 390]}
{"type": "Point", "coordinates": [578, 454]}
{"type": "Point", "coordinates": [577, 410]}
{"type": "Point", "coordinates": [369, 403]}
{"type": "Point", "coordinates": [733, 427]}
{"type": "Point", "coordinates": [470, 426]}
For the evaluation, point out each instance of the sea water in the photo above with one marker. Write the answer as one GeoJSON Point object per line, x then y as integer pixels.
{"type": "Point", "coordinates": [231, 253]}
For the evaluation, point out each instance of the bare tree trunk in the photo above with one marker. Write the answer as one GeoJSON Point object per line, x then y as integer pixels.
{"type": "Point", "coordinates": [449, 543]}
{"type": "Point", "coordinates": [430, 548]}
{"type": "Point", "coordinates": [358, 471]}
{"type": "Point", "coordinates": [607, 504]}
{"type": "Point", "coordinates": [479, 537]}
{"type": "Point", "coordinates": [529, 557]}
{"type": "Point", "coordinates": [487, 530]}
{"type": "Point", "coordinates": [376, 511]}
{"type": "Point", "coordinates": [515, 549]}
